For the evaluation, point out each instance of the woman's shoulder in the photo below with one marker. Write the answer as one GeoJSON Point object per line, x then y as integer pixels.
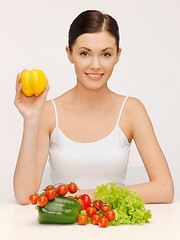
{"type": "Point", "coordinates": [136, 106]}
{"type": "Point", "coordinates": [136, 112]}
{"type": "Point", "coordinates": [132, 106]}
{"type": "Point", "coordinates": [134, 109]}
{"type": "Point", "coordinates": [50, 110]}
{"type": "Point", "coordinates": [132, 103]}
{"type": "Point", "coordinates": [63, 98]}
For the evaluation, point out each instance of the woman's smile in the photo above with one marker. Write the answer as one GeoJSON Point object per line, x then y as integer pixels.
{"type": "Point", "coordinates": [95, 76]}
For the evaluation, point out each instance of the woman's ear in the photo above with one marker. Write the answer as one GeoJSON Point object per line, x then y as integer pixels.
{"type": "Point", "coordinates": [118, 55]}
{"type": "Point", "coordinates": [69, 54]}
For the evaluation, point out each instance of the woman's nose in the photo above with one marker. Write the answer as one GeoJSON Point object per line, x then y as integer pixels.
{"type": "Point", "coordinates": [95, 63]}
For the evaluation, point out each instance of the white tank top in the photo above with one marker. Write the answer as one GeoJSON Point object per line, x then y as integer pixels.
{"type": "Point", "coordinates": [89, 164]}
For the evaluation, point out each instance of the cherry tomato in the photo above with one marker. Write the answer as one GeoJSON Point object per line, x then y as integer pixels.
{"type": "Point", "coordinates": [62, 190]}
{"type": "Point", "coordinates": [86, 198]}
{"type": "Point", "coordinates": [91, 211]}
{"type": "Point", "coordinates": [82, 219]}
{"type": "Point", "coordinates": [103, 222]}
{"type": "Point", "coordinates": [72, 187]}
{"type": "Point", "coordinates": [33, 199]}
{"type": "Point", "coordinates": [42, 200]}
{"type": "Point", "coordinates": [97, 203]}
{"type": "Point", "coordinates": [50, 194]}
{"type": "Point", "coordinates": [49, 187]}
{"type": "Point", "coordinates": [104, 208]}
{"type": "Point", "coordinates": [83, 204]}
{"type": "Point", "coordinates": [110, 214]}
{"type": "Point", "coordinates": [95, 219]}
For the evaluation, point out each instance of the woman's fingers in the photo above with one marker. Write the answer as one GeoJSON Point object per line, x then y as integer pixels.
{"type": "Point", "coordinates": [47, 85]}
{"type": "Point", "coordinates": [17, 96]}
{"type": "Point", "coordinates": [24, 70]}
{"type": "Point", "coordinates": [46, 90]}
{"type": "Point", "coordinates": [18, 78]}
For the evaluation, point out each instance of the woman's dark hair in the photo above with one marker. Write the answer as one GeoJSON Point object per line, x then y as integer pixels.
{"type": "Point", "coordinates": [92, 21]}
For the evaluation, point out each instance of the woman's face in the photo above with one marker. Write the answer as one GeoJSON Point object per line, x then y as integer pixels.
{"type": "Point", "coordinates": [94, 56]}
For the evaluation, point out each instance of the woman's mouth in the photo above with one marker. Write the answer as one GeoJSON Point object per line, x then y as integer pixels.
{"type": "Point", "coordinates": [95, 76]}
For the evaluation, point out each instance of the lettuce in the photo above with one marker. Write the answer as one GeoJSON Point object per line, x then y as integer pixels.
{"type": "Point", "coordinates": [128, 207]}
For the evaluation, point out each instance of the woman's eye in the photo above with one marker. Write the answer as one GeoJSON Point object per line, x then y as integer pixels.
{"type": "Point", "coordinates": [106, 55]}
{"type": "Point", "coordinates": [84, 54]}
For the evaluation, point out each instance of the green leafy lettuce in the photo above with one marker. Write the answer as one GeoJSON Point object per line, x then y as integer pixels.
{"type": "Point", "coordinates": [128, 207]}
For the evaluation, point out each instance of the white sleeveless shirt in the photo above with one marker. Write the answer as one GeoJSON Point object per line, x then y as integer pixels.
{"type": "Point", "coordinates": [89, 164]}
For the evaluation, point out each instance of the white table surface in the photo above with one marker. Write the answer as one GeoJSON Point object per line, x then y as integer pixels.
{"type": "Point", "coordinates": [21, 222]}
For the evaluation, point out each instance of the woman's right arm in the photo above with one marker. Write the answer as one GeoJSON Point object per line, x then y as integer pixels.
{"type": "Point", "coordinates": [34, 146]}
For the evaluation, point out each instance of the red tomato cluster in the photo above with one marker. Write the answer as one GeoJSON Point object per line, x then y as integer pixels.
{"type": "Point", "coordinates": [84, 199]}
{"type": "Point", "coordinates": [51, 192]}
{"type": "Point", "coordinates": [97, 219]}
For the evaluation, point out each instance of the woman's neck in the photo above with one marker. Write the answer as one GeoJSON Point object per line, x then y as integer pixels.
{"type": "Point", "coordinates": [91, 98]}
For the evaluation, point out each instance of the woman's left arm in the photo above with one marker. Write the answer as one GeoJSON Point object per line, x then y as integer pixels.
{"type": "Point", "coordinates": [160, 188]}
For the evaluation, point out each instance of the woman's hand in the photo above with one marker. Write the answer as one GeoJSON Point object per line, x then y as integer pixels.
{"type": "Point", "coordinates": [29, 107]}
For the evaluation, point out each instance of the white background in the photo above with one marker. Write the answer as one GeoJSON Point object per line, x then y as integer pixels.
{"type": "Point", "coordinates": [33, 34]}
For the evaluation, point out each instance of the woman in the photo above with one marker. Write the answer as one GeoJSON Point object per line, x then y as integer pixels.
{"type": "Point", "coordinates": [87, 131]}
